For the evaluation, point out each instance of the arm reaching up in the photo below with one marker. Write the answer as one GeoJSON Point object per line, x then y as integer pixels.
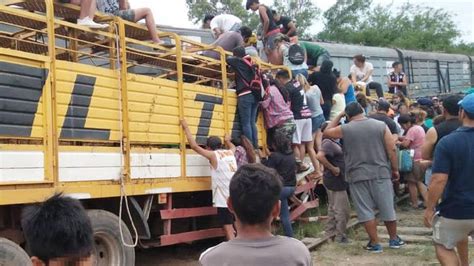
{"type": "Point", "coordinates": [211, 156]}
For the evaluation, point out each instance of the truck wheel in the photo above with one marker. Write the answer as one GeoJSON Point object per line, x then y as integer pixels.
{"type": "Point", "coordinates": [12, 254]}
{"type": "Point", "coordinates": [108, 248]}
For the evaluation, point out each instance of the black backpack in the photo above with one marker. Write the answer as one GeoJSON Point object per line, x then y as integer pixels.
{"type": "Point", "coordinates": [296, 54]}
{"type": "Point", "coordinates": [256, 85]}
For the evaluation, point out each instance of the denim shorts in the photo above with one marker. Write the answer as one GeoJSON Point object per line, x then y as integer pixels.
{"type": "Point", "coordinates": [317, 122]}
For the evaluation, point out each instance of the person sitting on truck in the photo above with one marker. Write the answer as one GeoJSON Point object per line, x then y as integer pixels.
{"type": "Point", "coordinates": [397, 80]}
{"type": "Point", "coordinates": [254, 200]}
{"type": "Point", "coordinates": [58, 232]}
{"type": "Point", "coordinates": [247, 104]}
{"type": "Point", "coordinates": [287, 26]}
{"type": "Point", "coordinates": [361, 72]}
{"type": "Point", "coordinates": [269, 28]}
{"type": "Point", "coordinates": [206, 22]}
{"type": "Point", "coordinates": [223, 167]}
{"type": "Point", "coordinates": [86, 15]}
{"type": "Point", "coordinates": [121, 8]}
{"type": "Point", "coordinates": [224, 23]}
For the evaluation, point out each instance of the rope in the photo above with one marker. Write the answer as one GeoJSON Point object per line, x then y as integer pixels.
{"type": "Point", "coordinates": [123, 194]}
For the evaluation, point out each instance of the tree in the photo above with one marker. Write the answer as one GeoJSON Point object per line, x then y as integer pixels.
{"type": "Point", "coordinates": [303, 11]}
{"type": "Point", "coordinates": [197, 9]}
{"type": "Point", "coordinates": [408, 27]}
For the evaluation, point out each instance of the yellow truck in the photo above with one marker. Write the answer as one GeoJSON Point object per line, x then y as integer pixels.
{"type": "Point", "coordinates": [95, 115]}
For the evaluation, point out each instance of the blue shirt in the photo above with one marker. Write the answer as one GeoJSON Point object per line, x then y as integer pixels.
{"type": "Point", "coordinates": [350, 95]}
{"type": "Point", "coordinates": [454, 155]}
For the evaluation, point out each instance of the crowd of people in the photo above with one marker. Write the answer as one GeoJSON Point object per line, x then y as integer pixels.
{"type": "Point", "coordinates": [353, 143]}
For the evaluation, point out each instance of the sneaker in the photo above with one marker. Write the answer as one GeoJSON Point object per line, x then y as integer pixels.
{"type": "Point", "coordinates": [396, 243]}
{"type": "Point", "coordinates": [88, 22]}
{"type": "Point", "coordinates": [342, 240]}
{"type": "Point", "coordinates": [377, 248]}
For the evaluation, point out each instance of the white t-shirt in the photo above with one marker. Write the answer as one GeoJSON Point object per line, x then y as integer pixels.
{"type": "Point", "coordinates": [361, 72]}
{"type": "Point", "coordinates": [221, 176]}
{"type": "Point", "coordinates": [338, 105]}
{"type": "Point", "coordinates": [225, 22]}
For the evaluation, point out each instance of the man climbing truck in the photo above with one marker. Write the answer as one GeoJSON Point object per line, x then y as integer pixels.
{"type": "Point", "coordinates": [95, 115]}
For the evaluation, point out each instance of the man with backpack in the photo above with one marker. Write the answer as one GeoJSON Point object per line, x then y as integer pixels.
{"type": "Point", "coordinates": [291, 55]}
{"type": "Point", "coordinates": [249, 91]}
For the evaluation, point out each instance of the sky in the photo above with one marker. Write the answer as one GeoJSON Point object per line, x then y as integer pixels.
{"type": "Point", "coordinates": [174, 13]}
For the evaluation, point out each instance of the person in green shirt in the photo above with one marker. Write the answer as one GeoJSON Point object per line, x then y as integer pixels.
{"type": "Point", "coordinates": [315, 53]}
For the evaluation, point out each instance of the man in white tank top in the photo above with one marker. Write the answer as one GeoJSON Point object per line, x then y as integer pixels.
{"type": "Point", "coordinates": [223, 166]}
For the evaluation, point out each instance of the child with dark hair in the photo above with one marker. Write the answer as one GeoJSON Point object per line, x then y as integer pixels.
{"type": "Point", "coordinates": [254, 193]}
{"type": "Point", "coordinates": [283, 161]}
{"type": "Point", "coordinates": [223, 167]}
{"type": "Point", "coordinates": [58, 232]}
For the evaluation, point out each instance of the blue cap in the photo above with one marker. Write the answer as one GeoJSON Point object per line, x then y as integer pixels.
{"type": "Point", "coordinates": [468, 103]}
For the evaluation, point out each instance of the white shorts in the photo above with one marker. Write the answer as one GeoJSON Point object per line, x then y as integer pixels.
{"type": "Point", "coordinates": [303, 131]}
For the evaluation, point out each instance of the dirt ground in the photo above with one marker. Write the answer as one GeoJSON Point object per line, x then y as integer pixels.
{"type": "Point", "coordinates": [329, 254]}
{"type": "Point", "coordinates": [354, 254]}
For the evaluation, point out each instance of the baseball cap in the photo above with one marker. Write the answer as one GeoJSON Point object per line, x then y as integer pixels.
{"type": "Point", "coordinates": [467, 103]}
{"type": "Point", "coordinates": [425, 101]}
{"type": "Point", "coordinates": [383, 106]}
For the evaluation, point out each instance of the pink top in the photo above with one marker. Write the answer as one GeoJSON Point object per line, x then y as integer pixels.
{"type": "Point", "coordinates": [275, 110]}
{"type": "Point", "coordinates": [416, 135]}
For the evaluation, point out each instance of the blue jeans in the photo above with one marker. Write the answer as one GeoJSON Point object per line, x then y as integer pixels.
{"type": "Point", "coordinates": [286, 192]}
{"type": "Point", "coordinates": [247, 107]}
{"type": "Point", "coordinates": [303, 72]}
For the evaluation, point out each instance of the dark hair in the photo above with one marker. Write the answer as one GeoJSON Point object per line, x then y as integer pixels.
{"type": "Point", "coordinates": [362, 100]}
{"type": "Point", "coordinates": [438, 120]}
{"type": "Point", "coordinates": [354, 109]}
{"type": "Point", "coordinates": [207, 18]}
{"type": "Point", "coordinates": [283, 74]}
{"type": "Point", "coordinates": [246, 32]}
{"type": "Point", "coordinates": [237, 141]}
{"type": "Point", "coordinates": [214, 143]}
{"type": "Point", "coordinates": [274, 12]}
{"type": "Point", "coordinates": [281, 143]}
{"type": "Point", "coordinates": [383, 106]}
{"type": "Point", "coordinates": [58, 227]}
{"type": "Point", "coordinates": [450, 104]}
{"type": "Point", "coordinates": [336, 73]}
{"type": "Point", "coordinates": [407, 118]}
{"type": "Point", "coordinates": [254, 191]}
{"type": "Point", "coordinates": [429, 111]}
{"type": "Point", "coordinates": [361, 58]}
{"type": "Point", "coordinates": [326, 67]}
{"type": "Point", "coordinates": [251, 2]}
{"type": "Point", "coordinates": [239, 51]}
{"type": "Point", "coordinates": [395, 64]}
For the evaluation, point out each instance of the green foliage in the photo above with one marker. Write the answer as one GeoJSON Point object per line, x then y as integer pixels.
{"type": "Point", "coordinates": [408, 27]}
{"type": "Point", "coordinates": [303, 11]}
{"type": "Point", "coordinates": [197, 9]}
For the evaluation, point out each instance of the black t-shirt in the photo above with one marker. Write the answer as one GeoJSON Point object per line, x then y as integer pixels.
{"type": "Point", "coordinates": [271, 24]}
{"type": "Point", "coordinates": [284, 22]}
{"type": "Point", "coordinates": [335, 155]}
{"type": "Point", "coordinates": [387, 120]}
{"type": "Point", "coordinates": [242, 72]}
{"type": "Point", "coordinates": [285, 165]}
{"type": "Point", "coordinates": [299, 105]}
{"type": "Point", "coordinates": [445, 128]}
{"type": "Point", "coordinates": [326, 82]}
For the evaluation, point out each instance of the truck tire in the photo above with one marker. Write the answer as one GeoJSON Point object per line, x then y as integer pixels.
{"type": "Point", "coordinates": [12, 254]}
{"type": "Point", "coordinates": [108, 246]}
